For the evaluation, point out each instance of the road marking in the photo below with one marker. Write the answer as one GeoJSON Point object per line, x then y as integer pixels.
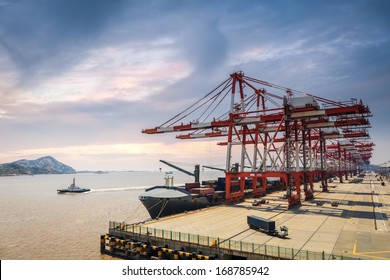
{"type": "Point", "coordinates": [379, 216]}
{"type": "Point", "coordinates": [367, 254]}
{"type": "Point", "coordinates": [374, 257]}
{"type": "Point", "coordinates": [373, 252]}
{"type": "Point", "coordinates": [354, 248]}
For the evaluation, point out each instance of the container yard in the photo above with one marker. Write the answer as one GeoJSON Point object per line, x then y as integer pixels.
{"type": "Point", "coordinates": [296, 183]}
{"type": "Point", "coordinates": [356, 227]}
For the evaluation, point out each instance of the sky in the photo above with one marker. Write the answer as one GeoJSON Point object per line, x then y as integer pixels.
{"type": "Point", "coordinates": [79, 80]}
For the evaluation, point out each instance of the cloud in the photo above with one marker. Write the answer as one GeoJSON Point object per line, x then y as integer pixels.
{"type": "Point", "coordinates": [205, 46]}
{"type": "Point", "coordinates": [128, 72]}
{"type": "Point", "coordinates": [46, 37]}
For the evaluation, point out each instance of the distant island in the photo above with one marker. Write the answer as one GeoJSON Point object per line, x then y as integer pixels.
{"type": "Point", "coordinates": [94, 172]}
{"type": "Point", "coordinates": [43, 165]}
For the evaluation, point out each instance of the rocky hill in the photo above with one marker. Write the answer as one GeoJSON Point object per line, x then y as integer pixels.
{"type": "Point", "coordinates": [43, 165]}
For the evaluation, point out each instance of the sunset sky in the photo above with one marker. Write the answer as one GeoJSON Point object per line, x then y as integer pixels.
{"type": "Point", "coordinates": [79, 80]}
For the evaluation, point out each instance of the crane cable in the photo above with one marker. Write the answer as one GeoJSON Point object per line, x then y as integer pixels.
{"type": "Point", "coordinates": [188, 108]}
{"type": "Point", "coordinates": [136, 211]}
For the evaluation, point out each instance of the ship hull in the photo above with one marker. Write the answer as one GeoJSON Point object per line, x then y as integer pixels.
{"type": "Point", "coordinates": [163, 201]}
{"type": "Point", "coordinates": [73, 191]}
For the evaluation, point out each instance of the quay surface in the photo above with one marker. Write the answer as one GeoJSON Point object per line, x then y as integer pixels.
{"type": "Point", "coordinates": [358, 228]}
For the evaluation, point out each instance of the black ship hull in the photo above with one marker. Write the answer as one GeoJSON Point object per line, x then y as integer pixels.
{"type": "Point", "coordinates": [163, 201]}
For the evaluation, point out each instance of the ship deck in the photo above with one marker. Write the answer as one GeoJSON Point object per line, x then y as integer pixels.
{"type": "Point", "coordinates": [358, 226]}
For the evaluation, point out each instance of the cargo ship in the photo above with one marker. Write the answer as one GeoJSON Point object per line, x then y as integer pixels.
{"type": "Point", "coordinates": [168, 199]}
{"type": "Point", "coordinates": [162, 201]}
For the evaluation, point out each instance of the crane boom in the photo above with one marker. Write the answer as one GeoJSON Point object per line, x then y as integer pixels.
{"type": "Point", "coordinates": [194, 174]}
{"type": "Point", "coordinates": [215, 168]}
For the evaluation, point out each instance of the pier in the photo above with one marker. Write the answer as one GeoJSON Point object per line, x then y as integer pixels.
{"type": "Point", "coordinates": [350, 221]}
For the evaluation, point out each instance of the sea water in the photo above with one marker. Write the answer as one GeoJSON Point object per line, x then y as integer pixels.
{"type": "Point", "coordinates": [38, 223]}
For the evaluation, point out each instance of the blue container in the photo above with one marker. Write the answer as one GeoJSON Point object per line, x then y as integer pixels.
{"type": "Point", "coordinates": [261, 223]}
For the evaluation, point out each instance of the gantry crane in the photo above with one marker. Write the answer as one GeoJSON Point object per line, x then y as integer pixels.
{"type": "Point", "coordinates": [288, 135]}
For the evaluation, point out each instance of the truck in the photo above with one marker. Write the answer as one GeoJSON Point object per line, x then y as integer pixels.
{"type": "Point", "coordinates": [258, 202]}
{"type": "Point", "coordinates": [266, 226]}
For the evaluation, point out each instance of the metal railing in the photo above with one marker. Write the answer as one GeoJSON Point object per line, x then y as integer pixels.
{"type": "Point", "coordinates": [255, 248]}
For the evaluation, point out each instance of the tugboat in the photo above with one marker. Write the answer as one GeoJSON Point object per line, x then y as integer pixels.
{"type": "Point", "coordinates": [73, 189]}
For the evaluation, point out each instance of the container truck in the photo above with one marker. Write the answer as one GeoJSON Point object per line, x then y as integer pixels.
{"type": "Point", "coordinates": [266, 226]}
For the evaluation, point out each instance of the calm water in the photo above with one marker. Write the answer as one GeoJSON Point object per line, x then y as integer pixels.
{"type": "Point", "coordinates": [38, 223]}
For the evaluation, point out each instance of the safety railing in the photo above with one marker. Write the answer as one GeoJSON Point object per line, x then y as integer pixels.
{"type": "Point", "coordinates": [255, 248]}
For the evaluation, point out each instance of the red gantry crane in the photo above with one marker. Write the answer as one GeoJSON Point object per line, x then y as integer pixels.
{"type": "Point", "coordinates": [273, 131]}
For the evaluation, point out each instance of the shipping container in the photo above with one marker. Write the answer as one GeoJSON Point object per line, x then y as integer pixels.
{"type": "Point", "coordinates": [255, 222]}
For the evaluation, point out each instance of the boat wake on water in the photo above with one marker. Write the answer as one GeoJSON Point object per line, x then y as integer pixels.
{"type": "Point", "coordinates": [119, 189]}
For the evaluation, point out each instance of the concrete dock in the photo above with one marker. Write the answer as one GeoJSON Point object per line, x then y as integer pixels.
{"type": "Point", "coordinates": [356, 226]}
